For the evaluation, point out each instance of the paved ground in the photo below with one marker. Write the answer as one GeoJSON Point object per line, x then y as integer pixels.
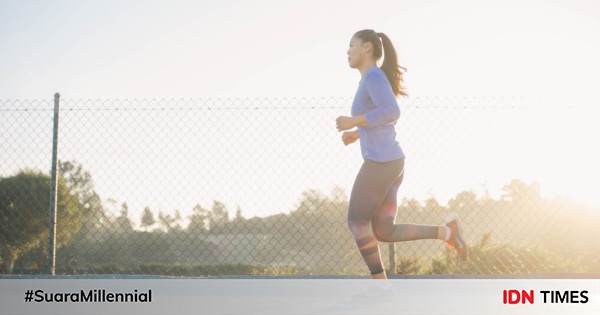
{"type": "Point", "coordinates": [456, 276]}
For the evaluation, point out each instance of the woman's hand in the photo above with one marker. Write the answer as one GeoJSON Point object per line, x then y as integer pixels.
{"type": "Point", "coordinates": [349, 137]}
{"type": "Point", "coordinates": [347, 123]}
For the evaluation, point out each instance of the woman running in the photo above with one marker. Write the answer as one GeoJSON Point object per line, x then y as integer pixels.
{"type": "Point", "coordinates": [373, 206]}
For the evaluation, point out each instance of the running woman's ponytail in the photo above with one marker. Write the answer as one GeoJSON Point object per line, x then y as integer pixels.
{"type": "Point", "coordinates": [390, 61]}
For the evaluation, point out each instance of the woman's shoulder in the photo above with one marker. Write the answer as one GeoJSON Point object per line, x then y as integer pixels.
{"type": "Point", "coordinates": [374, 73]}
{"type": "Point", "coordinates": [375, 76]}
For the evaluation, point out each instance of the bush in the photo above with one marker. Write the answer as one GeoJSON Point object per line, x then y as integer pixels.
{"type": "Point", "coordinates": [486, 257]}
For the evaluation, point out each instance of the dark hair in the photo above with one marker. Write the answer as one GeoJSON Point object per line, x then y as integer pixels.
{"type": "Point", "coordinates": [390, 62]}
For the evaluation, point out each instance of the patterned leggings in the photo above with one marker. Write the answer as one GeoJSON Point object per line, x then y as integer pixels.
{"type": "Point", "coordinates": [372, 211]}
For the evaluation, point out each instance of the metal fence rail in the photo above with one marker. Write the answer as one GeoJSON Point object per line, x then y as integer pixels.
{"type": "Point", "coordinates": [209, 187]}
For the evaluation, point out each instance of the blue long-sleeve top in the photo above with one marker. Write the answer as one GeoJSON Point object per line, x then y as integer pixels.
{"type": "Point", "coordinates": [375, 99]}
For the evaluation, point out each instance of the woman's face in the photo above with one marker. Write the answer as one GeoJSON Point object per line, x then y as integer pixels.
{"type": "Point", "coordinates": [358, 52]}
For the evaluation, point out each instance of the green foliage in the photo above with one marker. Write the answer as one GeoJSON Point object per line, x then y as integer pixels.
{"type": "Point", "coordinates": [531, 235]}
{"type": "Point", "coordinates": [178, 270]}
{"type": "Point", "coordinates": [277, 271]}
{"type": "Point", "coordinates": [81, 184]}
{"type": "Point", "coordinates": [194, 270]}
{"type": "Point", "coordinates": [487, 257]}
{"type": "Point", "coordinates": [409, 266]}
{"type": "Point", "coordinates": [147, 218]}
{"type": "Point", "coordinates": [24, 213]}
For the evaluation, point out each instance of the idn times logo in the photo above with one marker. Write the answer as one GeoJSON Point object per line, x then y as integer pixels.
{"type": "Point", "coordinates": [549, 296]}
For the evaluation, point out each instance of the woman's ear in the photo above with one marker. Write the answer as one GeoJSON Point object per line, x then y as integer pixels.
{"type": "Point", "coordinates": [367, 47]}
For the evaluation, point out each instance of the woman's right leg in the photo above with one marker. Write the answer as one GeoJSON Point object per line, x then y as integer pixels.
{"type": "Point", "coordinates": [370, 187]}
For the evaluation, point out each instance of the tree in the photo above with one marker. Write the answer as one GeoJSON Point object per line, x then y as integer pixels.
{"type": "Point", "coordinates": [433, 208]}
{"type": "Point", "coordinates": [198, 220]}
{"type": "Point", "coordinates": [90, 204]}
{"type": "Point", "coordinates": [123, 223]}
{"type": "Point", "coordinates": [465, 204]}
{"type": "Point", "coordinates": [238, 214]}
{"type": "Point", "coordinates": [168, 222]}
{"type": "Point", "coordinates": [176, 221]}
{"type": "Point", "coordinates": [338, 195]}
{"type": "Point", "coordinates": [147, 218]}
{"type": "Point", "coordinates": [24, 223]}
{"type": "Point", "coordinates": [311, 201]}
{"type": "Point", "coordinates": [519, 192]}
{"type": "Point", "coordinates": [218, 217]}
{"type": "Point", "coordinates": [237, 224]}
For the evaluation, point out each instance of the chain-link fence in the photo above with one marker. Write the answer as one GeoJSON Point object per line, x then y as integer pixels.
{"type": "Point", "coordinates": [259, 186]}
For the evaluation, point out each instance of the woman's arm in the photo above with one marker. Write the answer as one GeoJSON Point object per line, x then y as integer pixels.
{"type": "Point", "coordinates": [347, 123]}
{"type": "Point", "coordinates": [381, 94]}
{"type": "Point", "coordinates": [387, 109]}
{"type": "Point", "coordinates": [349, 137]}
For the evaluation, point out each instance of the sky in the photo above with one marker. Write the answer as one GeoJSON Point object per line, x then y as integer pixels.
{"type": "Point", "coordinates": [180, 49]}
{"type": "Point", "coordinates": [116, 50]}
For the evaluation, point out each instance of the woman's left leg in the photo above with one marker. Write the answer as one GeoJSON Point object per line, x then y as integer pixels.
{"type": "Point", "coordinates": [384, 228]}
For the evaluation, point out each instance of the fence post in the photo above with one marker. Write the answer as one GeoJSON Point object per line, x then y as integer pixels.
{"type": "Point", "coordinates": [392, 259]}
{"type": "Point", "coordinates": [53, 190]}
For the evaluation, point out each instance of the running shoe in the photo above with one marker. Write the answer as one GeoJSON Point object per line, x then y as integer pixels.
{"type": "Point", "coordinates": [456, 241]}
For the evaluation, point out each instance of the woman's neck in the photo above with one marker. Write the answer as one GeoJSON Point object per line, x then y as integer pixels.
{"type": "Point", "coordinates": [366, 66]}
